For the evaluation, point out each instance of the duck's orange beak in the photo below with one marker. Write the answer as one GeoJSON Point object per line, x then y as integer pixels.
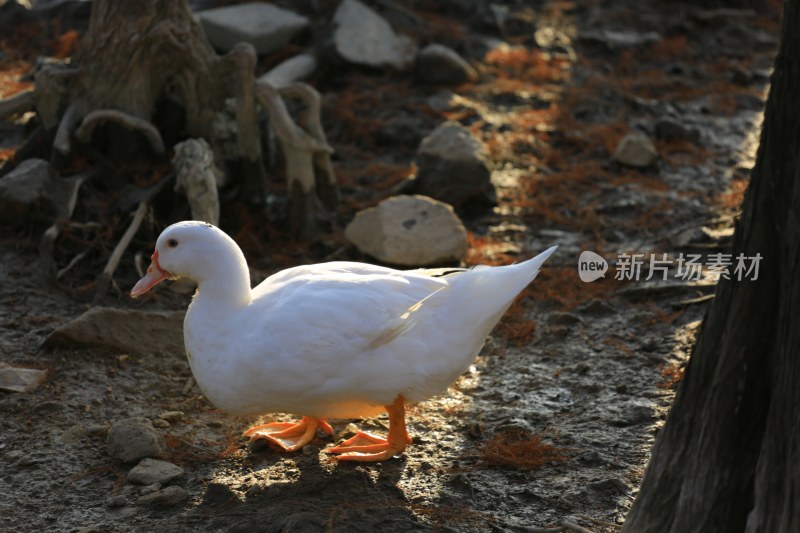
{"type": "Point", "coordinates": [155, 275]}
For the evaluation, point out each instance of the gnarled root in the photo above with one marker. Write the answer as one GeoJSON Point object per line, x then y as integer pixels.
{"type": "Point", "coordinates": [145, 127]}
{"type": "Point", "coordinates": [19, 103]}
{"type": "Point", "coordinates": [306, 151]}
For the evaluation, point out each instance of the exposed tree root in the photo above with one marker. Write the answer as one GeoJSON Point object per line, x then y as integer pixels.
{"type": "Point", "coordinates": [19, 103]}
{"type": "Point", "coordinates": [93, 119]}
{"type": "Point", "coordinates": [105, 278]}
{"type": "Point", "coordinates": [137, 57]}
{"type": "Point", "coordinates": [306, 151]}
{"type": "Point", "coordinates": [65, 209]}
{"type": "Point", "coordinates": [198, 177]}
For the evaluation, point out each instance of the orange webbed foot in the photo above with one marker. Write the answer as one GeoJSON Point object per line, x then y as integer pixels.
{"type": "Point", "coordinates": [289, 436]}
{"type": "Point", "coordinates": [365, 447]}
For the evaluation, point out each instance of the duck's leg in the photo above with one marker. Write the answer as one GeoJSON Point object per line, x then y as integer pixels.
{"type": "Point", "coordinates": [366, 447]}
{"type": "Point", "coordinates": [291, 436]}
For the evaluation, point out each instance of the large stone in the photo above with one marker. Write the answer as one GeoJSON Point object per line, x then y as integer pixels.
{"type": "Point", "coordinates": [636, 150]}
{"type": "Point", "coordinates": [452, 167]}
{"type": "Point", "coordinates": [619, 39]}
{"type": "Point", "coordinates": [669, 130]}
{"type": "Point", "coordinates": [25, 192]}
{"type": "Point", "coordinates": [124, 330]}
{"type": "Point", "coordinates": [266, 26]}
{"type": "Point", "coordinates": [402, 129]}
{"type": "Point", "coordinates": [439, 65]}
{"type": "Point", "coordinates": [150, 471]}
{"type": "Point", "coordinates": [363, 37]}
{"type": "Point", "coordinates": [14, 379]}
{"type": "Point", "coordinates": [293, 69]}
{"type": "Point", "coordinates": [133, 439]}
{"type": "Point", "coordinates": [410, 231]}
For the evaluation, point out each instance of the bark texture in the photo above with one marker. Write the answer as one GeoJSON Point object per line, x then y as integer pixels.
{"type": "Point", "coordinates": [728, 458]}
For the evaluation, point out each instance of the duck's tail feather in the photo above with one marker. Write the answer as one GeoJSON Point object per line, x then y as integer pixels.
{"type": "Point", "coordinates": [478, 297]}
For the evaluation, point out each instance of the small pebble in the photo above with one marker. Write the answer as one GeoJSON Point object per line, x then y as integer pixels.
{"type": "Point", "coordinates": [133, 439]}
{"type": "Point", "coordinates": [171, 416]}
{"type": "Point", "coordinates": [560, 318]}
{"type": "Point", "coordinates": [171, 495]}
{"type": "Point", "coordinates": [117, 500]}
{"type": "Point", "coordinates": [219, 494]}
{"type": "Point", "coordinates": [150, 471]}
{"type": "Point", "coordinates": [636, 150]}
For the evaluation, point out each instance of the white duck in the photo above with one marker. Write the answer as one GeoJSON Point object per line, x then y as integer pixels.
{"type": "Point", "coordinates": [331, 340]}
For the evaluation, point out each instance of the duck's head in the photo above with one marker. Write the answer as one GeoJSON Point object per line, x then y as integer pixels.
{"type": "Point", "coordinates": [191, 249]}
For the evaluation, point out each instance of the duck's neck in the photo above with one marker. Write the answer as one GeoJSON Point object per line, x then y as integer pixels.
{"type": "Point", "coordinates": [226, 284]}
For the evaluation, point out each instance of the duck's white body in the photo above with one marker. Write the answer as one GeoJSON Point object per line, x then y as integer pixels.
{"type": "Point", "coordinates": [338, 340]}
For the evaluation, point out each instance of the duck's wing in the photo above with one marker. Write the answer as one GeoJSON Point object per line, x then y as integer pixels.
{"type": "Point", "coordinates": [342, 303]}
{"type": "Point", "coordinates": [325, 326]}
{"type": "Point", "coordinates": [337, 269]}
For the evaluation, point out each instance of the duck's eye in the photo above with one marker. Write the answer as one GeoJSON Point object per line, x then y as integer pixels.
{"type": "Point", "coordinates": [172, 243]}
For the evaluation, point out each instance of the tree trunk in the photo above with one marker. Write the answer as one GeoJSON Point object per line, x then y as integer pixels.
{"type": "Point", "coordinates": [137, 55]}
{"type": "Point", "coordinates": [728, 458]}
{"type": "Point", "coordinates": [133, 49]}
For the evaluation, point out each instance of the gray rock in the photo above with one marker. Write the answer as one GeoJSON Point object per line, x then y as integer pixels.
{"type": "Point", "coordinates": [293, 69]}
{"type": "Point", "coordinates": [171, 416]}
{"type": "Point", "coordinates": [363, 37]}
{"type": "Point", "coordinates": [636, 150]}
{"type": "Point", "coordinates": [218, 494]}
{"type": "Point", "coordinates": [73, 435]}
{"type": "Point", "coordinates": [117, 500]}
{"type": "Point", "coordinates": [161, 423]}
{"type": "Point", "coordinates": [25, 192]}
{"type": "Point", "coordinates": [561, 318]}
{"type": "Point", "coordinates": [442, 101]}
{"type": "Point", "coordinates": [610, 486]}
{"type": "Point", "coordinates": [631, 413]}
{"type": "Point", "coordinates": [266, 26]}
{"type": "Point", "coordinates": [619, 39]}
{"type": "Point", "coordinates": [124, 330]}
{"type": "Point", "coordinates": [133, 439]}
{"type": "Point", "coordinates": [452, 166]}
{"type": "Point", "coordinates": [410, 231]}
{"type": "Point", "coordinates": [150, 471]}
{"type": "Point", "coordinates": [403, 129]}
{"type": "Point", "coordinates": [439, 65]}
{"type": "Point", "coordinates": [13, 379]}
{"type": "Point", "coordinates": [668, 129]}
{"type": "Point", "coordinates": [171, 495]}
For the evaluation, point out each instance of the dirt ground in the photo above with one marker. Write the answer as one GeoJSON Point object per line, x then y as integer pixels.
{"type": "Point", "coordinates": [590, 368]}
